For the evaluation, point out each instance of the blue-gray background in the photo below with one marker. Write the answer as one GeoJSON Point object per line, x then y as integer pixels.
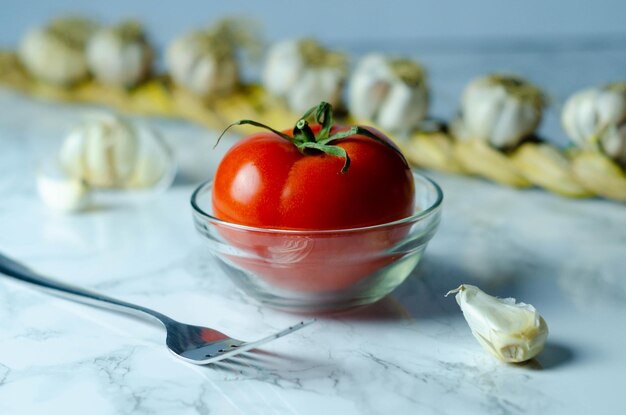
{"type": "Point", "coordinates": [560, 45]}
{"type": "Point", "coordinates": [336, 20]}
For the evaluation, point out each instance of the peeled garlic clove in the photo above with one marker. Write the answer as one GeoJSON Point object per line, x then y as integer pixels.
{"type": "Point", "coordinates": [56, 53]}
{"type": "Point", "coordinates": [120, 55]}
{"type": "Point", "coordinates": [390, 92]}
{"type": "Point", "coordinates": [588, 113]}
{"type": "Point", "coordinates": [203, 62]}
{"type": "Point", "coordinates": [304, 73]}
{"type": "Point", "coordinates": [512, 332]}
{"type": "Point", "coordinates": [501, 110]}
{"type": "Point", "coordinates": [60, 190]}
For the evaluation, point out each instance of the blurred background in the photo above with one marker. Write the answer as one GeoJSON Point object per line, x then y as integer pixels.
{"type": "Point", "coordinates": [560, 45]}
{"type": "Point", "coordinates": [348, 20]}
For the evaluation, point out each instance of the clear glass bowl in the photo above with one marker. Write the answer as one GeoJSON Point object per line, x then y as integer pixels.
{"type": "Point", "coordinates": [325, 270]}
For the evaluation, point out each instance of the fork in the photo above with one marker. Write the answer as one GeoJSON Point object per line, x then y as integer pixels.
{"type": "Point", "coordinates": [193, 344]}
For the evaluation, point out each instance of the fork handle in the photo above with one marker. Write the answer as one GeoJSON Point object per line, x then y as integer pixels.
{"type": "Point", "coordinates": [18, 271]}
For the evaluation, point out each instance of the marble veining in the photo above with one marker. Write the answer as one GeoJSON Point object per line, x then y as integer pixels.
{"type": "Point", "coordinates": [410, 353]}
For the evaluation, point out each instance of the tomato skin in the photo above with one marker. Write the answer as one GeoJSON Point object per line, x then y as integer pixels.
{"type": "Point", "coordinates": [264, 181]}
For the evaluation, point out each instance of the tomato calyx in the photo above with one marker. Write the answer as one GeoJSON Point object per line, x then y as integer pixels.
{"type": "Point", "coordinates": [308, 142]}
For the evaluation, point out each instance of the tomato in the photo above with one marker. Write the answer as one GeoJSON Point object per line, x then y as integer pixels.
{"type": "Point", "coordinates": [271, 180]}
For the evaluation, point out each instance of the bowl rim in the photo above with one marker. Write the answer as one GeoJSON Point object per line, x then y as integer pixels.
{"type": "Point", "coordinates": [417, 216]}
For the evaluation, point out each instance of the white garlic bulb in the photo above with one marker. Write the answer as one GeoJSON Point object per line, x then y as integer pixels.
{"type": "Point", "coordinates": [108, 151]}
{"type": "Point", "coordinates": [512, 332]}
{"type": "Point", "coordinates": [56, 53]}
{"type": "Point", "coordinates": [120, 55]}
{"type": "Point", "coordinates": [500, 109]}
{"type": "Point", "coordinates": [204, 63]}
{"type": "Point", "coordinates": [390, 92]}
{"type": "Point", "coordinates": [304, 74]}
{"type": "Point", "coordinates": [595, 116]}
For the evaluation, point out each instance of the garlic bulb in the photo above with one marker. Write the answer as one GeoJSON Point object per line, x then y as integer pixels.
{"type": "Point", "coordinates": [108, 151]}
{"type": "Point", "coordinates": [120, 55]}
{"type": "Point", "coordinates": [500, 109]}
{"type": "Point", "coordinates": [596, 115]}
{"type": "Point", "coordinates": [304, 74]}
{"type": "Point", "coordinates": [204, 62]}
{"type": "Point", "coordinates": [56, 53]}
{"type": "Point", "coordinates": [512, 332]}
{"type": "Point", "coordinates": [390, 92]}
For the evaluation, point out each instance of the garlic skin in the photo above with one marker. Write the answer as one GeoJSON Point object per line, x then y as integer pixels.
{"type": "Point", "coordinates": [597, 115]}
{"type": "Point", "coordinates": [499, 109]}
{"type": "Point", "coordinates": [390, 92]}
{"type": "Point", "coordinates": [107, 151]}
{"type": "Point", "coordinates": [56, 53]}
{"type": "Point", "coordinates": [203, 63]}
{"type": "Point", "coordinates": [120, 55]}
{"type": "Point", "coordinates": [304, 74]}
{"type": "Point", "coordinates": [512, 332]}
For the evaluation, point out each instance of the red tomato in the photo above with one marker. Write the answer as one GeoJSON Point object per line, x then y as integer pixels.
{"type": "Point", "coordinates": [266, 181]}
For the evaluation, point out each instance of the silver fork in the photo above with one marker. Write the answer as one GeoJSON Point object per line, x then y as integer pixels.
{"type": "Point", "coordinates": [193, 344]}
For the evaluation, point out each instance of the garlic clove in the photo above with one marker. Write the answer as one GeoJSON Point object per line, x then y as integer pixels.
{"type": "Point", "coordinates": [110, 151]}
{"type": "Point", "coordinates": [60, 190]}
{"type": "Point", "coordinates": [613, 142]}
{"type": "Point", "coordinates": [154, 164]}
{"type": "Point", "coordinates": [513, 332]}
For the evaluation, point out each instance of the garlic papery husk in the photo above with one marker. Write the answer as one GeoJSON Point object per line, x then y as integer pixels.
{"type": "Point", "coordinates": [60, 190]}
{"type": "Point", "coordinates": [204, 61]}
{"type": "Point", "coordinates": [390, 92]}
{"type": "Point", "coordinates": [108, 151]}
{"type": "Point", "coordinates": [595, 116]}
{"type": "Point", "coordinates": [56, 53]}
{"type": "Point", "coordinates": [512, 332]}
{"type": "Point", "coordinates": [120, 55]}
{"type": "Point", "coordinates": [304, 73]}
{"type": "Point", "coordinates": [499, 109]}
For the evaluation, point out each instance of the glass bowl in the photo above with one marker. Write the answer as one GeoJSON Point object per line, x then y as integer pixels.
{"type": "Point", "coordinates": [320, 270]}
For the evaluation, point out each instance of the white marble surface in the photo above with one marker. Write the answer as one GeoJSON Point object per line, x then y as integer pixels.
{"type": "Point", "coordinates": [410, 353]}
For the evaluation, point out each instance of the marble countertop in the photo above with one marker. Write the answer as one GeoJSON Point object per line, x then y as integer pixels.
{"type": "Point", "coordinates": [410, 353]}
